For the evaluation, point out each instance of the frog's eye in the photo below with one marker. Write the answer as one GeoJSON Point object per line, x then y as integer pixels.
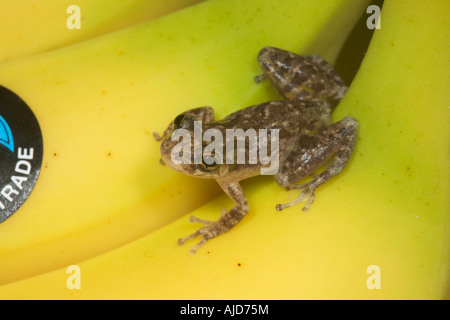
{"type": "Point", "coordinates": [178, 120]}
{"type": "Point", "coordinates": [210, 162]}
{"type": "Point", "coordinates": [184, 121]}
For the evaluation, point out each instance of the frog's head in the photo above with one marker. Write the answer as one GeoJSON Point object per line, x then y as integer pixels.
{"type": "Point", "coordinates": [181, 151]}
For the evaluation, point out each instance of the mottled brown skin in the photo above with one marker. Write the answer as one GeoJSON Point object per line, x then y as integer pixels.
{"type": "Point", "coordinates": [307, 139]}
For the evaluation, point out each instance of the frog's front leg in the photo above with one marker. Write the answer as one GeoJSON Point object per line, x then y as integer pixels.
{"type": "Point", "coordinates": [338, 139]}
{"type": "Point", "coordinates": [227, 220]}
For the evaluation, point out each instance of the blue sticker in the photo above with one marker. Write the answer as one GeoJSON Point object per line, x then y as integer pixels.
{"type": "Point", "coordinates": [21, 152]}
{"type": "Point", "coordinates": [6, 137]}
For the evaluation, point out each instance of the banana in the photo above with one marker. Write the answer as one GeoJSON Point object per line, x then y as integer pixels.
{"type": "Point", "coordinates": [98, 102]}
{"type": "Point", "coordinates": [379, 231]}
{"type": "Point", "coordinates": [31, 26]}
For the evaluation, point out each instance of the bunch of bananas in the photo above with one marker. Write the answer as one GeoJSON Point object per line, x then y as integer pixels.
{"type": "Point", "coordinates": [104, 204]}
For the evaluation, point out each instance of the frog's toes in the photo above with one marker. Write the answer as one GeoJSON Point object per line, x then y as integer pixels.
{"type": "Point", "coordinates": [206, 234]}
{"type": "Point", "coordinates": [193, 219]}
{"type": "Point", "coordinates": [198, 246]}
{"type": "Point", "coordinates": [183, 240]}
{"type": "Point", "coordinates": [210, 230]}
{"type": "Point", "coordinates": [307, 195]}
{"type": "Point", "coordinates": [194, 249]}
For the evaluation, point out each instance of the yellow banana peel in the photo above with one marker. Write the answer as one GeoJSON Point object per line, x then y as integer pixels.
{"type": "Point", "coordinates": [377, 231]}
{"type": "Point", "coordinates": [32, 26]}
{"type": "Point", "coordinates": [98, 103]}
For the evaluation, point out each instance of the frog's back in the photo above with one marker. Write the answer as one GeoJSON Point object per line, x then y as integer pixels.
{"type": "Point", "coordinates": [289, 118]}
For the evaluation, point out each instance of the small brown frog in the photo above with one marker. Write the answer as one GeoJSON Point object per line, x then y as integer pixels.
{"type": "Point", "coordinates": [300, 125]}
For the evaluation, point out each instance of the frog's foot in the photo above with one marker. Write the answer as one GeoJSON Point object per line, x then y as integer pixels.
{"type": "Point", "coordinates": [210, 230]}
{"type": "Point", "coordinates": [307, 195]}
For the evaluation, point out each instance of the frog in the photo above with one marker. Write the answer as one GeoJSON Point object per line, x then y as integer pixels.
{"type": "Point", "coordinates": [307, 138]}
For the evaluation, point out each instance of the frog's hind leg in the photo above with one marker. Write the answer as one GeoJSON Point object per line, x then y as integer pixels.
{"type": "Point", "coordinates": [338, 139]}
{"type": "Point", "coordinates": [300, 77]}
{"type": "Point", "coordinates": [327, 81]}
